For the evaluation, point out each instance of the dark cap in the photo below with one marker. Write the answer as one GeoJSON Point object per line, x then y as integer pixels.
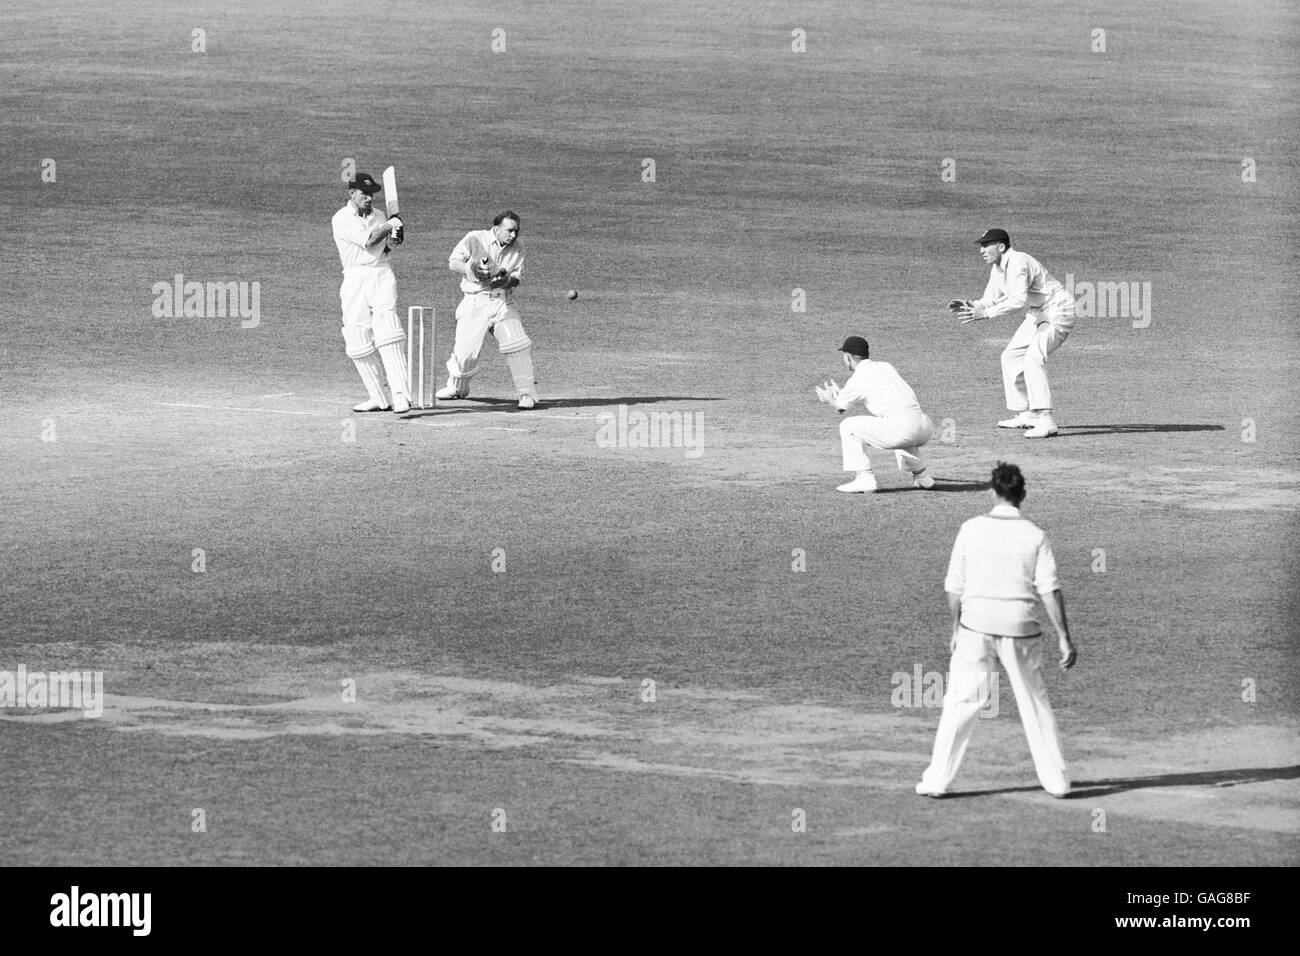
{"type": "Point", "coordinates": [994, 235]}
{"type": "Point", "coordinates": [366, 183]}
{"type": "Point", "coordinates": [856, 345]}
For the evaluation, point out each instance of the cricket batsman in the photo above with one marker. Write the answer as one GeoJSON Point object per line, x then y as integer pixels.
{"type": "Point", "coordinates": [372, 334]}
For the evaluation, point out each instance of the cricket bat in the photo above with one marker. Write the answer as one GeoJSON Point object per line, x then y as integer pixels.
{"type": "Point", "coordinates": [390, 192]}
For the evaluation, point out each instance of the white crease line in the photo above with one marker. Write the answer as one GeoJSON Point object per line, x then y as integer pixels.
{"type": "Point", "coordinates": [234, 408]}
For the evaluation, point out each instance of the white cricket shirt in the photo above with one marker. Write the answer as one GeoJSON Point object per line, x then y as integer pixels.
{"type": "Point", "coordinates": [879, 386]}
{"type": "Point", "coordinates": [1019, 281]}
{"type": "Point", "coordinates": [1000, 563]}
{"type": "Point", "coordinates": [483, 242]}
{"type": "Point", "coordinates": [350, 233]}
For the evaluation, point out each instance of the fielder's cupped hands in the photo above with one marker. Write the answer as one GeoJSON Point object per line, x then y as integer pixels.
{"type": "Point", "coordinates": [827, 392]}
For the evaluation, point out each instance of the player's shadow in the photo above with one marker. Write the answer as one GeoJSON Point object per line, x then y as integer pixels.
{"type": "Point", "coordinates": [1070, 430]}
{"type": "Point", "coordinates": [1091, 789]}
{"type": "Point", "coordinates": [940, 484]}
{"type": "Point", "coordinates": [459, 406]}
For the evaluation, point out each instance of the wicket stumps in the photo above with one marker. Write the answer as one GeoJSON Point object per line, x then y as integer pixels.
{"type": "Point", "coordinates": [415, 356]}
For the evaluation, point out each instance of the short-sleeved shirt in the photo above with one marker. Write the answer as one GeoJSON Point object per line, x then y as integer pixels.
{"type": "Point", "coordinates": [351, 229]}
{"type": "Point", "coordinates": [1001, 562]}
{"type": "Point", "coordinates": [483, 242]}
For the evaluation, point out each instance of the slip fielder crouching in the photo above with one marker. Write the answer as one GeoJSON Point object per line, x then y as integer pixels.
{"type": "Point", "coordinates": [895, 422]}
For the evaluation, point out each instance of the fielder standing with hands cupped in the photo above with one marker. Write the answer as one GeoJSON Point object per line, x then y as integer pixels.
{"type": "Point", "coordinates": [1018, 281]}
{"type": "Point", "coordinates": [1001, 563]}
{"type": "Point", "coordinates": [372, 334]}
{"type": "Point", "coordinates": [490, 263]}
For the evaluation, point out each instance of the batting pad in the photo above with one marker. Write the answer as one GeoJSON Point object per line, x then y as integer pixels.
{"type": "Point", "coordinates": [511, 337]}
{"type": "Point", "coordinates": [388, 328]}
{"type": "Point", "coordinates": [359, 341]}
{"type": "Point", "coordinates": [370, 369]}
{"type": "Point", "coordinates": [394, 358]}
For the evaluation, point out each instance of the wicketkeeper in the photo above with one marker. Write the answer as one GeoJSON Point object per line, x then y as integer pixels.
{"type": "Point", "coordinates": [490, 262]}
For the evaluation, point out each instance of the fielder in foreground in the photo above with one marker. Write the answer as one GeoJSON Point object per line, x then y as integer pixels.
{"type": "Point", "coordinates": [490, 263]}
{"type": "Point", "coordinates": [895, 422]}
{"type": "Point", "coordinates": [1000, 563]}
{"type": "Point", "coordinates": [372, 333]}
{"type": "Point", "coordinates": [1018, 281]}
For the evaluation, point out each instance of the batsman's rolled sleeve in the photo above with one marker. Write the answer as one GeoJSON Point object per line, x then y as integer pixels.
{"type": "Point", "coordinates": [483, 242]}
{"type": "Point", "coordinates": [351, 231]}
{"type": "Point", "coordinates": [1000, 563]}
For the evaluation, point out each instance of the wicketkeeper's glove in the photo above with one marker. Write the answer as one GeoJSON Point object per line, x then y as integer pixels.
{"type": "Point", "coordinates": [956, 305]}
{"type": "Point", "coordinates": [480, 271]}
{"type": "Point", "coordinates": [500, 279]}
{"type": "Point", "coordinates": [971, 313]}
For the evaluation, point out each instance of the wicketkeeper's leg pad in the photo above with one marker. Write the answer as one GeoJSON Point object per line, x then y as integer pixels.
{"type": "Point", "coordinates": [459, 372]}
{"type": "Point", "coordinates": [513, 342]}
{"type": "Point", "coordinates": [511, 336]}
{"type": "Point", "coordinates": [458, 367]}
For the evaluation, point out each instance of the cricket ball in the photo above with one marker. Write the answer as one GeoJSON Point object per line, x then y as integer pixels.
{"type": "Point", "coordinates": [572, 294]}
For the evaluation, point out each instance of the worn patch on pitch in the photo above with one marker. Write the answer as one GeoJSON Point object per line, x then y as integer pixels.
{"type": "Point", "coordinates": [1236, 777]}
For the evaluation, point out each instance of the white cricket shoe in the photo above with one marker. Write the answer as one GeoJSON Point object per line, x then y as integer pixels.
{"type": "Point", "coordinates": [922, 479]}
{"type": "Point", "coordinates": [370, 406]}
{"type": "Point", "coordinates": [527, 401]}
{"type": "Point", "coordinates": [1044, 429]}
{"type": "Point", "coordinates": [862, 483]}
{"type": "Point", "coordinates": [448, 392]}
{"type": "Point", "coordinates": [1023, 420]}
{"type": "Point", "coordinates": [925, 791]}
{"type": "Point", "coordinates": [401, 404]}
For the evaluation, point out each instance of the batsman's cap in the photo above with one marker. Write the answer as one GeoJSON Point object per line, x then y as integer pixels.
{"type": "Point", "coordinates": [365, 182]}
{"type": "Point", "coordinates": [994, 235]}
{"type": "Point", "coordinates": [856, 345]}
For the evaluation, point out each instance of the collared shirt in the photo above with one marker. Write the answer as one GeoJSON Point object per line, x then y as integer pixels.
{"type": "Point", "coordinates": [1000, 563]}
{"type": "Point", "coordinates": [1017, 281]}
{"type": "Point", "coordinates": [484, 242]}
{"type": "Point", "coordinates": [879, 386]}
{"type": "Point", "coordinates": [351, 229]}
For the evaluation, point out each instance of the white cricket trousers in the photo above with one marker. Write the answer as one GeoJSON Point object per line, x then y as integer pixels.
{"type": "Point", "coordinates": [969, 677]}
{"type": "Point", "coordinates": [902, 432]}
{"type": "Point", "coordinates": [1024, 360]}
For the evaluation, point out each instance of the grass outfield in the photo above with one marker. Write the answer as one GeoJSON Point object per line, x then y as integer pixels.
{"type": "Point", "coordinates": [499, 586]}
